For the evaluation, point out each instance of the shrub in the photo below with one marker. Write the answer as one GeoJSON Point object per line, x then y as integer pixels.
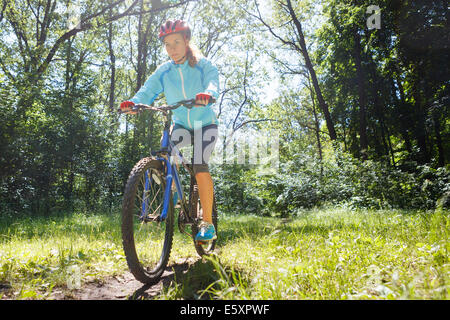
{"type": "Point", "coordinates": [302, 184]}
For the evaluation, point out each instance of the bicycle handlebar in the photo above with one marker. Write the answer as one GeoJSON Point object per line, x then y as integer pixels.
{"type": "Point", "coordinates": [164, 108]}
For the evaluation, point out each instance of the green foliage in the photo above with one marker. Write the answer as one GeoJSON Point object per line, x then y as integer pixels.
{"type": "Point", "coordinates": [345, 181]}
{"type": "Point", "coordinates": [63, 150]}
{"type": "Point", "coordinates": [405, 102]}
{"type": "Point", "coordinates": [62, 147]}
{"type": "Point", "coordinates": [233, 190]}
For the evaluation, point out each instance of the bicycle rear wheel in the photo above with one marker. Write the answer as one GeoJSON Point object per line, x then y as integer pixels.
{"type": "Point", "coordinates": [146, 239]}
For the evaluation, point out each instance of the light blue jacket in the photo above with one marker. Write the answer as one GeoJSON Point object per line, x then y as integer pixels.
{"type": "Point", "coordinates": [182, 82]}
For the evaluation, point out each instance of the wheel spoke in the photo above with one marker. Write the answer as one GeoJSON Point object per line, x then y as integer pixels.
{"type": "Point", "coordinates": [148, 252]}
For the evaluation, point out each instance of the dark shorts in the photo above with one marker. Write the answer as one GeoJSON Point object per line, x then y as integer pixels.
{"type": "Point", "coordinates": [202, 140]}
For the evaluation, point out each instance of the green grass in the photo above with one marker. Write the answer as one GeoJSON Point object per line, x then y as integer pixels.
{"type": "Point", "coordinates": [36, 254]}
{"type": "Point", "coordinates": [337, 254]}
{"type": "Point", "coordinates": [322, 254]}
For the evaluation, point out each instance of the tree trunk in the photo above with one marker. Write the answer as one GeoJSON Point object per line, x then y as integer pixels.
{"type": "Point", "coordinates": [323, 105]}
{"type": "Point", "coordinates": [420, 127]}
{"type": "Point", "coordinates": [319, 144]}
{"type": "Point", "coordinates": [140, 48]}
{"type": "Point", "coordinates": [112, 58]}
{"type": "Point", "coordinates": [317, 127]}
{"type": "Point", "coordinates": [363, 143]}
{"type": "Point", "coordinates": [400, 106]}
{"type": "Point", "coordinates": [380, 111]}
{"type": "Point", "coordinates": [437, 132]}
{"type": "Point", "coordinates": [68, 105]}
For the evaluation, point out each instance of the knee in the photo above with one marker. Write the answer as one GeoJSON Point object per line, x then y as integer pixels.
{"type": "Point", "coordinates": [200, 168]}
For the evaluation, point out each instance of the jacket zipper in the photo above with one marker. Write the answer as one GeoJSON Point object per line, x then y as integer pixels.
{"type": "Point", "coordinates": [184, 94]}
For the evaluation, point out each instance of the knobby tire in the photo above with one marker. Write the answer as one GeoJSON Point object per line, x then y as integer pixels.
{"type": "Point", "coordinates": [144, 273]}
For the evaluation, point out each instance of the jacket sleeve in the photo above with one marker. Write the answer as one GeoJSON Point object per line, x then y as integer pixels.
{"type": "Point", "coordinates": [151, 89]}
{"type": "Point", "coordinates": [211, 78]}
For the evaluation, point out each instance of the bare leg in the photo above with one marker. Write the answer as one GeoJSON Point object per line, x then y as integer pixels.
{"type": "Point", "coordinates": [206, 192]}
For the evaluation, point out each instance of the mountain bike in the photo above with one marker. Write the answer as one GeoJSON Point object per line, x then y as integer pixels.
{"type": "Point", "coordinates": [148, 208]}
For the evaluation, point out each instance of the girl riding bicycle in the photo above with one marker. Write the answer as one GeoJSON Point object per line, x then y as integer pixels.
{"type": "Point", "coordinates": [187, 75]}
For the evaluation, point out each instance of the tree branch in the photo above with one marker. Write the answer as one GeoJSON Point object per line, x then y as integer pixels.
{"type": "Point", "coordinates": [87, 24]}
{"type": "Point", "coordinates": [6, 71]}
{"type": "Point", "coordinates": [4, 4]}
{"type": "Point", "coordinates": [253, 121]}
{"type": "Point", "coordinates": [245, 91]}
{"type": "Point", "coordinates": [228, 139]}
{"type": "Point", "coordinates": [284, 41]}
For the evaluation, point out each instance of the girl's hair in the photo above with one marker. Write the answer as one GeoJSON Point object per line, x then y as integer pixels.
{"type": "Point", "coordinates": [193, 55]}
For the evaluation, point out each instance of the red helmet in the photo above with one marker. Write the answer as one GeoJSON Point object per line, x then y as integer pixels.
{"type": "Point", "coordinates": [177, 26]}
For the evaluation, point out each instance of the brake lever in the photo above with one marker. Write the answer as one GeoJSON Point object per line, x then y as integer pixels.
{"type": "Point", "coordinates": [191, 103]}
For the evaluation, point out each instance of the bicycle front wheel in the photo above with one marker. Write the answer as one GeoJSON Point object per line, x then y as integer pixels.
{"type": "Point", "coordinates": [147, 240]}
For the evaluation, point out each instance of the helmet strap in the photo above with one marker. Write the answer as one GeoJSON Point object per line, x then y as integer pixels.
{"type": "Point", "coordinates": [185, 55]}
{"type": "Point", "coordinates": [180, 60]}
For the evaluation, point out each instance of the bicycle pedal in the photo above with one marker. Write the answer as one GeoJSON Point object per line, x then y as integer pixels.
{"type": "Point", "coordinates": [149, 218]}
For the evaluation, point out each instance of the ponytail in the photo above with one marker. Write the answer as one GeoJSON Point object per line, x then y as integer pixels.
{"type": "Point", "coordinates": [193, 55]}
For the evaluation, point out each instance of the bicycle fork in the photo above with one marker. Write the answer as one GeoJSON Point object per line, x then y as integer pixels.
{"type": "Point", "coordinates": [172, 177]}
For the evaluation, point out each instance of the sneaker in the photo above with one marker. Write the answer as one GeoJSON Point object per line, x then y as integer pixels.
{"type": "Point", "coordinates": [207, 232]}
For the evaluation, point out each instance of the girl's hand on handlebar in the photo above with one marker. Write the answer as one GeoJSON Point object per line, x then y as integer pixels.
{"type": "Point", "coordinates": [126, 107]}
{"type": "Point", "coordinates": [202, 99]}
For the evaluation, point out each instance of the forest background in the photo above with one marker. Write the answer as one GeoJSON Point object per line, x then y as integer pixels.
{"type": "Point", "coordinates": [356, 91]}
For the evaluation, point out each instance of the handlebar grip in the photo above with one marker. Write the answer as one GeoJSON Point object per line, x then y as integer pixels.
{"type": "Point", "coordinates": [134, 109]}
{"type": "Point", "coordinates": [210, 100]}
{"type": "Point", "coordinates": [187, 103]}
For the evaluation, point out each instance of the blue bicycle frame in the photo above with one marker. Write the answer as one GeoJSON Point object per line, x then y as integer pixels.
{"type": "Point", "coordinates": [166, 155]}
{"type": "Point", "coordinates": [171, 175]}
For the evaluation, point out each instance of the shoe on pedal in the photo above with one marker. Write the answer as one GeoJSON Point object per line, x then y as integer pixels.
{"type": "Point", "coordinates": [206, 233]}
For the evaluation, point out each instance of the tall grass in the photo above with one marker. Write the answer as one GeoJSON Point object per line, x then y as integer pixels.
{"type": "Point", "coordinates": [37, 253]}
{"type": "Point", "coordinates": [321, 254]}
{"type": "Point", "coordinates": [330, 254]}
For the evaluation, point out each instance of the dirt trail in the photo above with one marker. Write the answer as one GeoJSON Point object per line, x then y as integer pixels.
{"type": "Point", "coordinates": [122, 287]}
